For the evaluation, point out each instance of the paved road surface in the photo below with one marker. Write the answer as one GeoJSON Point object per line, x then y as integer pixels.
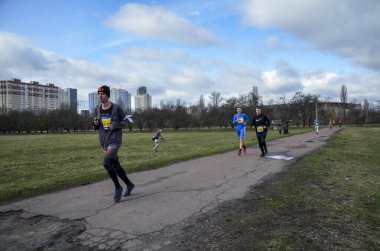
{"type": "Point", "coordinates": [163, 198]}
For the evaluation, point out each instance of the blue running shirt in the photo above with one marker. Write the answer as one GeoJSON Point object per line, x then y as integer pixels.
{"type": "Point", "coordinates": [240, 120]}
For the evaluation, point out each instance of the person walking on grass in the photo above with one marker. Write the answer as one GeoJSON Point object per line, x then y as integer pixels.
{"type": "Point", "coordinates": [156, 139]}
{"type": "Point", "coordinates": [109, 120]}
{"type": "Point", "coordinates": [240, 121]}
{"type": "Point", "coordinates": [261, 124]}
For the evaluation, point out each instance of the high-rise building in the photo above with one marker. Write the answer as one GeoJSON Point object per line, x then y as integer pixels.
{"type": "Point", "coordinates": [68, 97]}
{"type": "Point", "coordinates": [93, 101]}
{"type": "Point", "coordinates": [141, 90]}
{"type": "Point", "coordinates": [34, 96]}
{"type": "Point", "coordinates": [73, 98]}
{"type": "Point", "coordinates": [143, 100]}
{"type": "Point", "coordinates": [19, 96]}
{"type": "Point", "coordinates": [51, 97]}
{"type": "Point", "coordinates": [122, 98]}
{"type": "Point", "coordinates": [117, 96]}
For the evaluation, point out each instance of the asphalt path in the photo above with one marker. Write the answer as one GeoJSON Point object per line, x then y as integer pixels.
{"type": "Point", "coordinates": [162, 199]}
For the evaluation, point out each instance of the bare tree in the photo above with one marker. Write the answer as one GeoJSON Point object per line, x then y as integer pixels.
{"type": "Point", "coordinates": [215, 98]}
{"type": "Point", "coordinates": [303, 107]}
{"type": "Point", "coordinates": [284, 110]}
{"type": "Point", "coordinates": [214, 109]}
{"type": "Point", "coordinates": [343, 94]}
{"type": "Point", "coordinates": [343, 100]}
{"type": "Point", "coordinates": [253, 97]}
{"type": "Point", "coordinates": [229, 109]}
{"type": "Point", "coordinates": [201, 103]}
{"type": "Point", "coordinates": [366, 108]}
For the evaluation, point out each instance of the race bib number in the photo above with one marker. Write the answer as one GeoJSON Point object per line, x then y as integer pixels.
{"type": "Point", "coordinates": [106, 122]}
{"type": "Point", "coordinates": [260, 129]}
{"type": "Point", "coordinates": [240, 120]}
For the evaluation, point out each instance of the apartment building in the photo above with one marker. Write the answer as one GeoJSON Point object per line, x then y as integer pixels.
{"type": "Point", "coordinates": [16, 95]}
{"type": "Point", "coordinates": [143, 100]}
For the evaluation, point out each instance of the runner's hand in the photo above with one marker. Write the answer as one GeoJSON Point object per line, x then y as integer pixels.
{"type": "Point", "coordinates": [96, 121]}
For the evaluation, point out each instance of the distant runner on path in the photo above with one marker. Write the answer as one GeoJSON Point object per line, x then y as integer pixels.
{"type": "Point", "coordinates": [316, 125]}
{"type": "Point", "coordinates": [261, 124]}
{"type": "Point", "coordinates": [156, 139]}
{"type": "Point", "coordinates": [239, 121]}
{"type": "Point", "coordinates": [109, 120]}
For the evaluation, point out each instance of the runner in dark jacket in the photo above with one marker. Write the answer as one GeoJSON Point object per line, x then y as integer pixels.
{"type": "Point", "coordinates": [261, 124]}
{"type": "Point", "coordinates": [109, 120]}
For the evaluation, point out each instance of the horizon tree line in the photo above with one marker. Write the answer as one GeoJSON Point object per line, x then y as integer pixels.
{"type": "Point", "coordinates": [300, 111]}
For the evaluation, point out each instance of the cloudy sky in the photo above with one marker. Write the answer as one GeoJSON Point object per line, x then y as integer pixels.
{"type": "Point", "coordinates": [183, 49]}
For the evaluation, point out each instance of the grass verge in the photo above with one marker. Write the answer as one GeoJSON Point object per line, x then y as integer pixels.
{"type": "Point", "coordinates": [329, 200]}
{"type": "Point", "coordinates": [35, 164]}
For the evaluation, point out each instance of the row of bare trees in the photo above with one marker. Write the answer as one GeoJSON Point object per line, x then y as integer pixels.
{"type": "Point", "coordinates": [62, 120]}
{"type": "Point", "coordinates": [300, 110]}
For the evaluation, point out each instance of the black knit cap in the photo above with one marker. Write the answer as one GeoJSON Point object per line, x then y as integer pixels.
{"type": "Point", "coordinates": [105, 89]}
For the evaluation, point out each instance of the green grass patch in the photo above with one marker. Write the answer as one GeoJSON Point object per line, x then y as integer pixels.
{"type": "Point", "coordinates": [34, 164]}
{"type": "Point", "coordinates": [329, 200]}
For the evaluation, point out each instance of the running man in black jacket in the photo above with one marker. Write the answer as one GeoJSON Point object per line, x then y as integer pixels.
{"type": "Point", "coordinates": [261, 124]}
{"type": "Point", "coordinates": [110, 120]}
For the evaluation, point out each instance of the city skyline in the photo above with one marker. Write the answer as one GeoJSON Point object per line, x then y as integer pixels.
{"type": "Point", "coordinates": [184, 49]}
{"type": "Point", "coordinates": [17, 95]}
{"type": "Point", "coordinates": [141, 100]}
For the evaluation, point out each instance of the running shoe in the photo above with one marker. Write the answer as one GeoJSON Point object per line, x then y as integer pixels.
{"type": "Point", "coordinates": [129, 190]}
{"type": "Point", "coordinates": [262, 155]}
{"type": "Point", "coordinates": [118, 193]}
{"type": "Point", "coordinates": [154, 149]}
{"type": "Point", "coordinates": [245, 150]}
{"type": "Point", "coordinates": [239, 152]}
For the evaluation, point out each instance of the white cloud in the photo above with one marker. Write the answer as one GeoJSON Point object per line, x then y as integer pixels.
{"type": "Point", "coordinates": [20, 60]}
{"type": "Point", "coordinates": [234, 80]}
{"type": "Point", "coordinates": [348, 28]}
{"type": "Point", "coordinates": [173, 74]}
{"type": "Point", "coordinates": [115, 43]}
{"type": "Point", "coordinates": [328, 84]}
{"type": "Point", "coordinates": [166, 73]}
{"type": "Point", "coordinates": [283, 79]}
{"type": "Point", "coordinates": [14, 53]}
{"type": "Point", "coordinates": [325, 84]}
{"type": "Point", "coordinates": [155, 22]}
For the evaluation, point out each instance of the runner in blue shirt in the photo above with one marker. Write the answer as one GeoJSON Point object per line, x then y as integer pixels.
{"type": "Point", "coordinates": [240, 120]}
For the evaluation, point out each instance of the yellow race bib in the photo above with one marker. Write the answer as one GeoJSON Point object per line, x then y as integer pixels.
{"type": "Point", "coordinates": [260, 129]}
{"type": "Point", "coordinates": [106, 122]}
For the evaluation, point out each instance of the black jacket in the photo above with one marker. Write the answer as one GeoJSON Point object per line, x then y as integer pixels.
{"type": "Point", "coordinates": [114, 136]}
{"type": "Point", "coordinates": [259, 122]}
